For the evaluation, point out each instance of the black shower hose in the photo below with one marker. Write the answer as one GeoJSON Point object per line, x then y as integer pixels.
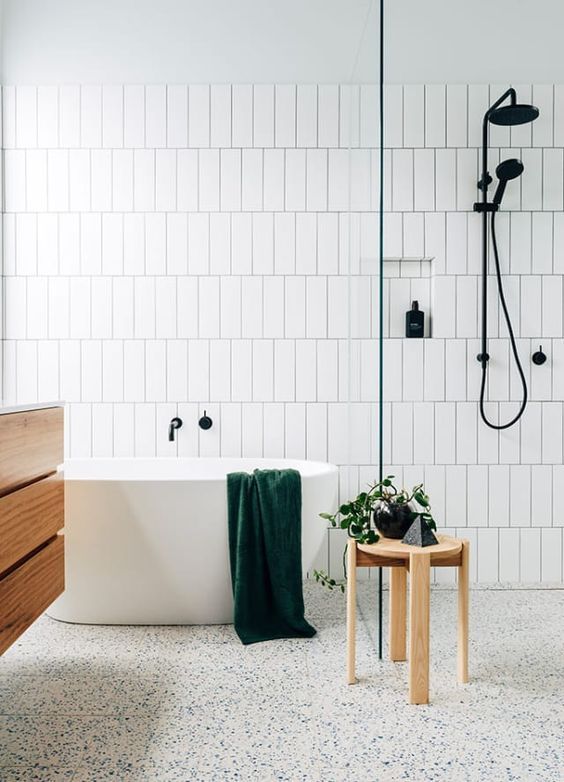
{"type": "Point", "coordinates": [511, 339]}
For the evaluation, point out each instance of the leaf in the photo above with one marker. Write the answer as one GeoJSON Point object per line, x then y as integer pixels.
{"type": "Point", "coordinates": [327, 516]}
{"type": "Point", "coordinates": [344, 524]}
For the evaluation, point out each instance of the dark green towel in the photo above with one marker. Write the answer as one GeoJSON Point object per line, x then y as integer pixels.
{"type": "Point", "coordinates": [265, 549]}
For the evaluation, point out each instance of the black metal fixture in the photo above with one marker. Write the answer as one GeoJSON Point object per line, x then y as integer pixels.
{"type": "Point", "coordinates": [512, 113]}
{"type": "Point", "coordinates": [175, 423]}
{"type": "Point", "coordinates": [205, 421]}
{"type": "Point", "coordinates": [539, 357]}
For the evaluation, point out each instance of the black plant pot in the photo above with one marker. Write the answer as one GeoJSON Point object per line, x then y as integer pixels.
{"type": "Point", "coordinates": [393, 520]}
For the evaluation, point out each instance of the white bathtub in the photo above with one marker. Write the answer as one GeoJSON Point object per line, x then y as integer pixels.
{"type": "Point", "coordinates": [146, 539]}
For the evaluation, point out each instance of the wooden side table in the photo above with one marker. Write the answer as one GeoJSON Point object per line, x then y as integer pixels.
{"type": "Point", "coordinates": [449, 552]}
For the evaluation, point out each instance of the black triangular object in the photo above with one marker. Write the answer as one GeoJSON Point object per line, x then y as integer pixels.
{"type": "Point", "coordinates": [420, 534]}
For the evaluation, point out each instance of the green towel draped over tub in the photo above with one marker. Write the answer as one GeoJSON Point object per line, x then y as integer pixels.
{"type": "Point", "coordinates": [265, 549]}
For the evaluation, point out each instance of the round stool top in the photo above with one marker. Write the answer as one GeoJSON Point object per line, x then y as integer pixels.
{"type": "Point", "coordinates": [395, 549]}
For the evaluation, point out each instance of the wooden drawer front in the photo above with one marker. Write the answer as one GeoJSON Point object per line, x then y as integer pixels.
{"type": "Point", "coordinates": [29, 517]}
{"type": "Point", "coordinates": [27, 591]}
{"type": "Point", "coordinates": [31, 446]}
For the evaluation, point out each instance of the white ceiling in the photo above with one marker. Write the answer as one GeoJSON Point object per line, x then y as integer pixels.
{"type": "Point", "coordinates": [58, 41]}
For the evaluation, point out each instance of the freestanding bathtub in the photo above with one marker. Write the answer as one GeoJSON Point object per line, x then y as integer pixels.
{"type": "Point", "coordinates": [147, 543]}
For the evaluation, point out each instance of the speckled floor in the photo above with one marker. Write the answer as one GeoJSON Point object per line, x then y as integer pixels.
{"type": "Point", "coordinates": [173, 704]}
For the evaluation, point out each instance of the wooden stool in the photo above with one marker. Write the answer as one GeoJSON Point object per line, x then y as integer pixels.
{"type": "Point", "coordinates": [449, 552]}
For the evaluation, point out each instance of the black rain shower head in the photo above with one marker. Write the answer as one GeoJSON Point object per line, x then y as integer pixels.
{"type": "Point", "coordinates": [516, 114]}
{"type": "Point", "coordinates": [507, 169]}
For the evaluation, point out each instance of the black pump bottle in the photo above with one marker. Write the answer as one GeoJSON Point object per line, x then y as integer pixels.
{"type": "Point", "coordinates": [414, 321]}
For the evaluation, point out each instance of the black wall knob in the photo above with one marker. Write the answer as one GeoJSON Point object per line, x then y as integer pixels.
{"type": "Point", "coordinates": [205, 421]}
{"type": "Point", "coordinates": [539, 357]}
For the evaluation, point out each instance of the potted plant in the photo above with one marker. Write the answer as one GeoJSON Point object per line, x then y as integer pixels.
{"type": "Point", "coordinates": [383, 509]}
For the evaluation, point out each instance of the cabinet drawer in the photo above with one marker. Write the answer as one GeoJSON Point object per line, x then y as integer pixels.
{"type": "Point", "coordinates": [31, 446]}
{"type": "Point", "coordinates": [28, 590]}
{"type": "Point", "coordinates": [29, 517]}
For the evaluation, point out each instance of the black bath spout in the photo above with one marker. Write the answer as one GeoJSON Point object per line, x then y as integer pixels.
{"type": "Point", "coordinates": [175, 424]}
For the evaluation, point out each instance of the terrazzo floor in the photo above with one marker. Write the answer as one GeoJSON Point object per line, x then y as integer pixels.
{"type": "Point", "coordinates": [174, 704]}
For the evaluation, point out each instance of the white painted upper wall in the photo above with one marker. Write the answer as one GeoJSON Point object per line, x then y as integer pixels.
{"type": "Point", "coordinates": [281, 41]}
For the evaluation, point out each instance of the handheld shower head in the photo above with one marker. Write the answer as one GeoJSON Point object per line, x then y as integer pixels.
{"type": "Point", "coordinates": [507, 169]}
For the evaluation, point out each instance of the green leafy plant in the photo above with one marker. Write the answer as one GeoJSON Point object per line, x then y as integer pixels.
{"type": "Point", "coordinates": [356, 516]}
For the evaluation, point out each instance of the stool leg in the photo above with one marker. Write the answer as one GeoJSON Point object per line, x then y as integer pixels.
{"type": "Point", "coordinates": [398, 591]}
{"type": "Point", "coordinates": [351, 610]}
{"type": "Point", "coordinates": [463, 601]}
{"type": "Point", "coordinates": [419, 598]}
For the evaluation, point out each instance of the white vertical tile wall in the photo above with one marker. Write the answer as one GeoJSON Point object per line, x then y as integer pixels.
{"type": "Point", "coordinates": [170, 247]}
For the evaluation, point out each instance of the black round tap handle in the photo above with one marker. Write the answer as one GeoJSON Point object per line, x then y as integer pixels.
{"type": "Point", "coordinates": [539, 357]}
{"type": "Point", "coordinates": [205, 421]}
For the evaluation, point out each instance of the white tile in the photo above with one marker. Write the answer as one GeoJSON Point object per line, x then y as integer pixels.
{"type": "Point", "coordinates": [295, 180]}
{"type": "Point", "coordinates": [134, 116]}
{"type": "Point", "coordinates": [80, 308]}
{"type": "Point", "coordinates": [79, 180]}
{"type": "Point", "coordinates": [553, 179]}
{"type": "Point", "coordinates": [338, 186]}
{"type": "Point", "coordinates": [455, 495]}
{"type": "Point", "coordinates": [220, 370]}
{"type": "Point", "coordinates": [220, 244]}
{"type": "Point", "coordinates": [542, 243]}
{"type": "Point", "coordinates": [445, 425]}
{"type": "Point", "coordinates": [551, 440]}
{"type": "Point", "coordinates": [230, 178]}
{"type": "Point", "coordinates": [284, 370]}
{"type": "Point", "coordinates": [144, 307]}
{"type": "Point", "coordinates": [47, 117]}
{"type": "Point", "coordinates": [487, 555]}
{"type": "Point", "coordinates": [263, 243]}
{"type": "Point", "coordinates": [26, 244]}
{"type": "Point", "coordinates": [263, 115]}
{"type": "Point", "coordinates": [328, 115]}
{"type": "Point", "coordinates": [209, 307]}
{"type": "Point", "coordinates": [58, 308]}
{"type": "Point", "coordinates": [445, 184]}
{"type": "Point", "coordinates": [80, 421]}
{"type": "Point", "coordinates": [369, 116]}
{"type": "Point", "coordinates": [467, 178]}
{"type": "Point", "coordinates": [91, 370]}
{"type": "Point", "coordinates": [124, 430]}
{"type": "Point", "coordinates": [26, 116]}
{"type": "Point", "coordinates": [145, 430]}
{"type": "Point", "coordinates": [90, 116]}
{"type": "Point", "coordinates": [101, 307]}
{"type": "Point", "coordinates": [285, 115]}
{"type": "Point", "coordinates": [133, 370]}
{"type": "Point", "coordinates": [444, 311]}
{"type": "Point", "coordinates": [48, 370]}
{"type": "Point", "coordinates": [316, 307]}
{"type": "Point", "coordinates": [230, 302]}
{"type": "Point", "coordinates": [327, 370]}
{"type": "Point", "coordinates": [209, 180]}
{"type": "Point", "coordinates": [69, 244]}
{"type": "Point", "coordinates": [520, 495]}
{"type": "Point", "coordinates": [509, 545]}
{"type": "Point", "coordinates": [466, 433]}
{"type": "Point", "coordinates": [241, 370]}
{"type": "Point", "coordinates": [101, 180]}
{"type": "Point", "coordinates": [530, 558]}
{"type": "Point", "coordinates": [112, 116]}
{"type": "Point", "coordinates": [456, 115]}
{"type": "Point", "coordinates": [122, 181]}
{"type": "Point", "coordinates": [69, 116]}
{"type": "Point", "coordinates": [57, 180]}
{"type": "Point", "coordinates": [198, 243]}
{"type": "Point", "coordinates": [435, 234]}
{"type": "Point", "coordinates": [402, 432]}
{"type": "Point", "coordinates": [542, 127]}
{"type": "Point", "coordinates": [424, 179]}
{"type": "Point", "coordinates": [165, 307]}
{"type": "Point", "coordinates": [284, 243]}
{"type": "Point", "coordinates": [155, 115]}
{"type": "Point", "coordinates": [263, 370]}
{"type": "Point", "coordinates": [165, 180]}
{"type": "Point", "coordinates": [531, 180]}
{"type": "Point", "coordinates": [521, 240]}
{"type": "Point", "coordinates": [37, 308]}
{"type": "Point", "coordinates": [47, 244]}
{"type": "Point", "coordinates": [295, 431]}
{"type": "Point", "coordinates": [403, 183]}
{"type": "Point", "coordinates": [551, 306]}
{"type": "Point", "coordinates": [252, 430]}
{"type": "Point", "coordinates": [273, 179]}
{"type": "Point", "coordinates": [316, 180]}
{"type": "Point", "coordinates": [177, 243]}
{"type": "Point", "coordinates": [91, 243]}
{"type": "Point", "coordinates": [241, 244]}
{"type": "Point", "coordinates": [122, 317]}
{"type": "Point", "coordinates": [306, 115]}
{"type": "Point", "coordinates": [251, 306]}
{"type": "Point", "coordinates": [144, 180]}
{"type": "Point", "coordinates": [413, 353]}
{"type": "Point", "coordinates": [187, 180]}
{"type": "Point", "coordinates": [220, 115]}
{"type": "Point", "coordinates": [252, 190]}
{"type": "Point", "coordinates": [199, 115]}
{"type": "Point", "coordinates": [295, 307]}
{"type": "Point", "coordinates": [551, 555]}
{"type": "Point", "coordinates": [177, 370]}
{"type": "Point", "coordinates": [273, 435]}
{"type": "Point", "coordinates": [414, 115]}
{"type": "Point", "coordinates": [456, 363]}
{"type": "Point", "coordinates": [327, 243]}
{"type": "Point", "coordinates": [541, 506]}
{"type": "Point", "coordinates": [231, 430]}
{"type": "Point", "coordinates": [477, 501]}
{"type": "Point", "coordinates": [531, 304]}
{"type": "Point", "coordinates": [306, 243]}
{"type": "Point", "coordinates": [435, 115]}
{"type": "Point", "coordinates": [133, 244]}
{"type": "Point", "coordinates": [112, 371]}
{"type": "Point", "coordinates": [177, 115]}
{"type": "Point", "coordinates": [155, 358]}
{"type": "Point", "coordinates": [434, 369]}
{"type": "Point", "coordinates": [521, 135]}
{"type": "Point", "coordinates": [423, 433]}
{"type": "Point", "coordinates": [70, 370]}
{"type": "Point", "coordinates": [393, 115]}
{"type": "Point", "coordinates": [242, 115]}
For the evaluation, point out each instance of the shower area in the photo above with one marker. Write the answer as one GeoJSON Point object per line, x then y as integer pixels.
{"type": "Point", "coordinates": [176, 242]}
